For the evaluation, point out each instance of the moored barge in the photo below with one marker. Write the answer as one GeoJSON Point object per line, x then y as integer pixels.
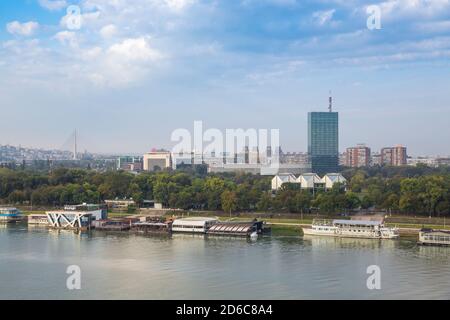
{"type": "Point", "coordinates": [434, 237]}
{"type": "Point", "coordinates": [193, 224]}
{"type": "Point", "coordinates": [114, 224]}
{"type": "Point", "coordinates": [38, 219]}
{"type": "Point", "coordinates": [10, 215]}
{"type": "Point", "coordinates": [155, 226]}
{"type": "Point", "coordinates": [237, 228]}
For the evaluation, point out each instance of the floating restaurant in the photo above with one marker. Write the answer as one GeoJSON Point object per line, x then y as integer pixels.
{"type": "Point", "coordinates": [38, 219]}
{"type": "Point", "coordinates": [76, 217]}
{"type": "Point", "coordinates": [242, 229]}
{"type": "Point", "coordinates": [434, 237]}
{"type": "Point", "coordinates": [154, 227]}
{"type": "Point", "coordinates": [193, 224]}
{"type": "Point", "coordinates": [112, 225]}
{"type": "Point", "coordinates": [10, 215]}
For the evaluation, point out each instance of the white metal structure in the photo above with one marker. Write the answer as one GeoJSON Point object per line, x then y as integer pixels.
{"type": "Point", "coordinates": [193, 224]}
{"type": "Point", "coordinates": [351, 229]}
{"type": "Point", "coordinates": [69, 219]}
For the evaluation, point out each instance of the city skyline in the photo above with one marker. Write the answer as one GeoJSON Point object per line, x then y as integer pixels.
{"type": "Point", "coordinates": [132, 74]}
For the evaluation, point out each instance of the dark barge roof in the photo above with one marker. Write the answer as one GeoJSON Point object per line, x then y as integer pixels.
{"type": "Point", "coordinates": [151, 224]}
{"type": "Point", "coordinates": [428, 230]}
{"type": "Point", "coordinates": [235, 228]}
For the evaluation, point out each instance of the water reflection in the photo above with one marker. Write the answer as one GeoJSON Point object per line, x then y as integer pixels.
{"type": "Point", "coordinates": [348, 243]}
{"type": "Point", "coordinates": [434, 252]}
{"type": "Point", "coordinates": [124, 265]}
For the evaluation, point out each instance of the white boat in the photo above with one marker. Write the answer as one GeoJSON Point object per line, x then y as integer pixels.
{"type": "Point", "coordinates": [10, 215]}
{"type": "Point", "coordinates": [434, 237]}
{"type": "Point", "coordinates": [351, 229]}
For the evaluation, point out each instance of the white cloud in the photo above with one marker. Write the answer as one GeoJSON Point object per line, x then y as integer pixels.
{"type": "Point", "coordinates": [53, 5]}
{"type": "Point", "coordinates": [92, 53]}
{"type": "Point", "coordinates": [87, 19]}
{"type": "Point", "coordinates": [399, 8]}
{"type": "Point", "coordinates": [178, 5]}
{"type": "Point", "coordinates": [108, 31]}
{"type": "Point", "coordinates": [323, 17]}
{"type": "Point", "coordinates": [281, 3]}
{"type": "Point", "coordinates": [121, 64]}
{"type": "Point", "coordinates": [28, 47]}
{"type": "Point", "coordinates": [138, 7]}
{"type": "Point", "coordinates": [67, 37]}
{"type": "Point", "coordinates": [134, 50]}
{"type": "Point", "coordinates": [434, 26]}
{"type": "Point", "coordinates": [23, 29]}
{"type": "Point", "coordinates": [113, 47]}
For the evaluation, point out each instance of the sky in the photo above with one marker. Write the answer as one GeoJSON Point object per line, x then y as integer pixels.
{"type": "Point", "coordinates": [130, 72]}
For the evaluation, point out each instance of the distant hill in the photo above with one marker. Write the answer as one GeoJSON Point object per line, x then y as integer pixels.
{"type": "Point", "coordinates": [14, 153]}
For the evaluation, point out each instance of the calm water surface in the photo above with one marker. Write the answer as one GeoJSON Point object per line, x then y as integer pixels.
{"type": "Point", "coordinates": [33, 263]}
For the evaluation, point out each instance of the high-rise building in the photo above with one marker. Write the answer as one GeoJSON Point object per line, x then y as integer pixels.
{"type": "Point", "coordinates": [358, 156]}
{"type": "Point", "coordinates": [323, 141]}
{"type": "Point", "coordinates": [386, 156]}
{"type": "Point", "coordinates": [376, 159]}
{"type": "Point", "coordinates": [394, 156]}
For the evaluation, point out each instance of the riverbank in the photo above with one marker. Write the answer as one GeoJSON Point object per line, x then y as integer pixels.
{"type": "Point", "coordinates": [291, 224]}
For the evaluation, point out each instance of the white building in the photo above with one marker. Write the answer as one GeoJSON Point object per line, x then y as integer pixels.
{"type": "Point", "coordinates": [157, 160]}
{"type": "Point", "coordinates": [282, 178]}
{"type": "Point", "coordinates": [331, 178]}
{"type": "Point", "coordinates": [309, 180]}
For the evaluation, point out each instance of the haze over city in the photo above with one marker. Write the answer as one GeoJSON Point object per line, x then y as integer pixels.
{"type": "Point", "coordinates": [137, 70]}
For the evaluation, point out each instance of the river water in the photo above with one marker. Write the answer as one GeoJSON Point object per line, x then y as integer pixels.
{"type": "Point", "coordinates": [34, 261]}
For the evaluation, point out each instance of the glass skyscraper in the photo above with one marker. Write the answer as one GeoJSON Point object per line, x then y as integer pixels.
{"type": "Point", "coordinates": [323, 141]}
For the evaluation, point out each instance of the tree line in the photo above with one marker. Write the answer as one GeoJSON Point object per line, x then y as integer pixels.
{"type": "Point", "coordinates": [421, 190]}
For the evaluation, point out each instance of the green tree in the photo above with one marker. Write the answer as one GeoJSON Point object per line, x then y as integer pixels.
{"type": "Point", "coordinates": [265, 202]}
{"type": "Point", "coordinates": [302, 200]}
{"type": "Point", "coordinates": [229, 201]}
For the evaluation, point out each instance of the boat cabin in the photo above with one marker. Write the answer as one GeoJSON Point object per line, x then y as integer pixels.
{"type": "Point", "coordinates": [434, 237]}
{"type": "Point", "coordinates": [193, 224]}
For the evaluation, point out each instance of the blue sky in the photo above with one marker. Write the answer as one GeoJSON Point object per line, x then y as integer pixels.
{"type": "Point", "coordinates": [137, 70]}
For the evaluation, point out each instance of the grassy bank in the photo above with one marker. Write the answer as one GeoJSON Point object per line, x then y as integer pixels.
{"type": "Point", "coordinates": [286, 230]}
{"type": "Point", "coordinates": [28, 212]}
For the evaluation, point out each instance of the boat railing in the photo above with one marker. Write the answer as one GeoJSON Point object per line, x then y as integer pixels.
{"type": "Point", "coordinates": [322, 222]}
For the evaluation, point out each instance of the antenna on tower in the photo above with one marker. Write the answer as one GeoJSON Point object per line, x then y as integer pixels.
{"type": "Point", "coordinates": [330, 100]}
{"type": "Point", "coordinates": [75, 146]}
